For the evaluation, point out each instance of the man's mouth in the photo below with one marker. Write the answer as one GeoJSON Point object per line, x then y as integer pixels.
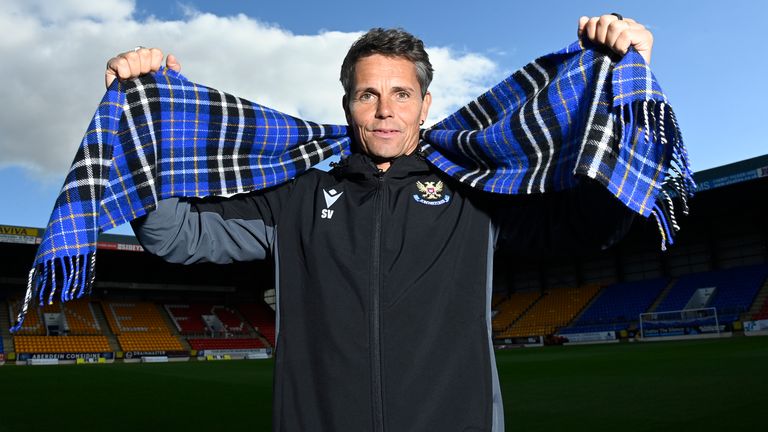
{"type": "Point", "coordinates": [385, 133]}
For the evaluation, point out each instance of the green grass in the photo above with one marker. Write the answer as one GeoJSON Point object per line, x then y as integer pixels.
{"type": "Point", "coordinates": [708, 385]}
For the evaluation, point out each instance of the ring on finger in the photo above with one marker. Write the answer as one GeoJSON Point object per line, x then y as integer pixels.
{"type": "Point", "coordinates": [138, 48]}
{"type": "Point", "coordinates": [617, 15]}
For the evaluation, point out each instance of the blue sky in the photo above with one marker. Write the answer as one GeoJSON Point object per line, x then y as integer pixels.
{"type": "Point", "coordinates": [708, 58]}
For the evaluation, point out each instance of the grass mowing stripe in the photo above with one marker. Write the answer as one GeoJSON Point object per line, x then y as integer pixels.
{"type": "Point", "coordinates": [707, 385]}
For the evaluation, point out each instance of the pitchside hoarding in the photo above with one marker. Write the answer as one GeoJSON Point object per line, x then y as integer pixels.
{"type": "Point", "coordinates": [235, 352]}
{"type": "Point", "coordinates": [22, 357]}
{"type": "Point", "coordinates": [752, 327]}
{"type": "Point", "coordinates": [139, 354]}
{"type": "Point", "coordinates": [590, 337]}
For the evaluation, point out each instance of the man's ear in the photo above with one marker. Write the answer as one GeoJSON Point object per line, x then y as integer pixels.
{"type": "Point", "coordinates": [425, 105]}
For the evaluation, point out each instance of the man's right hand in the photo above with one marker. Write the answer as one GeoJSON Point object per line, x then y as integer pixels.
{"type": "Point", "coordinates": [134, 63]}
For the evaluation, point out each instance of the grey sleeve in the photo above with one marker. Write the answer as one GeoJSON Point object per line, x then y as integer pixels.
{"type": "Point", "coordinates": [188, 231]}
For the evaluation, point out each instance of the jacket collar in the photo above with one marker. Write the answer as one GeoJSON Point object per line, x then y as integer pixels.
{"type": "Point", "coordinates": [360, 165]}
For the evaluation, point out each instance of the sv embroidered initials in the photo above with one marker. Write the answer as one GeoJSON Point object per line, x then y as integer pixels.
{"type": "Point", "coordinates": [331, 197]}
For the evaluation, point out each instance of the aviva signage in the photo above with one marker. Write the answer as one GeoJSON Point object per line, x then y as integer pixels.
{"type": "Point", "coordinates": [16, 234]}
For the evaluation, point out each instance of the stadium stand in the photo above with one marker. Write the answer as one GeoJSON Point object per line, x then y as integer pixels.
{"type": "Point", "coordinates": [763, 313]}
{"type": "Point", "coordinates": [617, 306]}
{"type": "Point", "coordinates": [261, 317]}
{"type": "Point", "coordinates": [555, 309]}
{"type": "Point", "coordinates": [736, 289]}
{"type": "Point", "coordinates": [80, 317]}
{"type": "Point", "coordinates": [140, 327]}
{"type": "Point", "coordinates": [33, 323]}
{"type": "Point", "coordinates": [61, 344]}
{"type": "Point", "coordinates": [134, 317]}
{"type": "Point", "coordinates": [497, 299]}
{"type": "Point", "coordinates": [138, 341]}
{"type": "Point", "coordinates": [189, 318]}
{"type": "Point", "coordinates": [510, 310]}
{"type": "Point", "coordinates": [231, 320]}
{"type": "Point", "coordinates": [225, 344]}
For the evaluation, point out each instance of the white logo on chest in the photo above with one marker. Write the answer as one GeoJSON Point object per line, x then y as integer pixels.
{"type": "Point", "coordinates": [331, 196]}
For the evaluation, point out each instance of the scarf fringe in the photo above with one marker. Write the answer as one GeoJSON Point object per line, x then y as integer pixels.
{"type": "Point", "coordinates": [659, 124]}
{"type": "Point", "coordinates": [77, 276]}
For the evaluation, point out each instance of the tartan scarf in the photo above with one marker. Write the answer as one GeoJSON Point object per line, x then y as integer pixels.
{"type": "Point", "coordinates": [576, 112]}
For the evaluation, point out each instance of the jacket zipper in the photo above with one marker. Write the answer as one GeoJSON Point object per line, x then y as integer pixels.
{"type": "Point", "coordinates": [375, 325]}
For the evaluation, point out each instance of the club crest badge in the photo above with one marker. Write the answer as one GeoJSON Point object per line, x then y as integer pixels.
{"type": "Point", "coordinates": [431, 193]}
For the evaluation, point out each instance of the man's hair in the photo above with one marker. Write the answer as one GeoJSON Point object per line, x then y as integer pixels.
{"type": "Point", "coordinates": [390, 43]}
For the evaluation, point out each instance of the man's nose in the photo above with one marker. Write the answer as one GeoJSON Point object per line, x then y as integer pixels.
{"type": "Point", "coordinates": [383, 108]}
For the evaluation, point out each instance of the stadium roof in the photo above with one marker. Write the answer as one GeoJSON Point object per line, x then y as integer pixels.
{"type": "Point", "coordinates": [737, 172]}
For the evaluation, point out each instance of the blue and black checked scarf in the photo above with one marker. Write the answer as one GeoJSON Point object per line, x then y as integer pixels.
{"type": "Point", "coordinates": [573, 113]}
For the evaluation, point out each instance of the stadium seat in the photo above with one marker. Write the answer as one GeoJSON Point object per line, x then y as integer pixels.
{"type": "Point", "coordinates": [78, 314]}
{"type": "Point", "coordinates": [141, 341]}
{"type": "Point", "coordinates": [555, 309]}
{"type": "Point", "coordinates": [736, 290]}
{"type": "Point", "coordinates": [261, 317]}
{"type": "Point", "coordinates": [189, 318]}
{"type": "Point", "coordinates": [126, 317]}
{"type": "Point", "coordinates": [763, 313]}
{"type": "Point", "coordinates": [139, 326]}
{"type": "Point", "coordinates": [617, 306]}
{"type": "Point", "coordinates": [80, 317]}
{"type": "Point", "coordinates": [33, 322]}
{"type": "Point", "coordinates": [61, 344]}
{"type": "Point", "coordinates": [510, 309]}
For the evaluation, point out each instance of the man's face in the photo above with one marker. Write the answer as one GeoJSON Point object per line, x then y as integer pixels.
{"type": "Point", "coordinates": [385, 108]}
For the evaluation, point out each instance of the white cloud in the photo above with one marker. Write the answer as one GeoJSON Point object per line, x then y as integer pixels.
{"type": "Point", "coordinates": [54, 55]}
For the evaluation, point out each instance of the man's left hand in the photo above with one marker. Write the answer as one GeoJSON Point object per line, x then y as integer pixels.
{"type": "Point", "coordinates": [617, 34]}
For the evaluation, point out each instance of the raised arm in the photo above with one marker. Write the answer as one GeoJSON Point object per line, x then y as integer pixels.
{"type": "Point", "coordinates": [218, 230]}
{"type": "Point", "coordinates": [137, 62]}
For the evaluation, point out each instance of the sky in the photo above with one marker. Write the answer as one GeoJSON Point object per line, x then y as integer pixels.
{"type": "Point", "coordinates": [707, 56]}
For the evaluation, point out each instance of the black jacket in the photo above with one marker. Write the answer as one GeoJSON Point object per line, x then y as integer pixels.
{"type": "Point", "coordinates": [383, 285]}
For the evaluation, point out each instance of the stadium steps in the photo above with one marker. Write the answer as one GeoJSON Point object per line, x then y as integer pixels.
{"type": "Point", "coordinates": [171, 324]}
{"type": "Point", "coordinates": [250, 331]}
{"type": "Point", "coordinates": [98, 313]}
{"type": "Point", "coordinates": [528, 309]}
{"type": "Point", "coordinates": [662, 296]}
{"type": "Point", "coordinates": [577, 317]}
{"type": "Point", "coordinates": [757, 305]}
{"type": "Point", "coordinates": [520, 315]}
{"type": "Point", "coordinates": [5, 323]}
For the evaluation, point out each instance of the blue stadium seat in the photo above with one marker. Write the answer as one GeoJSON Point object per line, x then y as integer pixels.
{"type": "Point", "coordinates": [617, 306]}
{"type": "Point", "coordinates": [736, 290]}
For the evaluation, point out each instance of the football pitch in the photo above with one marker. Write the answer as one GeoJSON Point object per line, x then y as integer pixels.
{"type": "Point", "coordinates": [707, 385]}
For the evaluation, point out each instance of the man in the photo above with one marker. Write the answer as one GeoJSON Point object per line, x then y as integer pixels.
{"type": "Point", "coordinates": [383, 264]}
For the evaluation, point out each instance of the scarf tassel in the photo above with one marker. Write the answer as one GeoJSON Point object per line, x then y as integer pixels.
{"type": "Point", "coordinates": [76, 278]}
{"type": "Point", "coordinates": [659, 124]}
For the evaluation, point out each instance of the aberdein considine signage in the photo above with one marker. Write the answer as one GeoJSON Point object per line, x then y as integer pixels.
{"type": "Point", "coordinates": [22, 357]}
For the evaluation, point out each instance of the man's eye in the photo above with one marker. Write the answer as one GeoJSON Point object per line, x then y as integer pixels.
{"type": "Point", "coordinates": [403, 95]}
{"type": "Point", "coordinates": [365, 97]}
